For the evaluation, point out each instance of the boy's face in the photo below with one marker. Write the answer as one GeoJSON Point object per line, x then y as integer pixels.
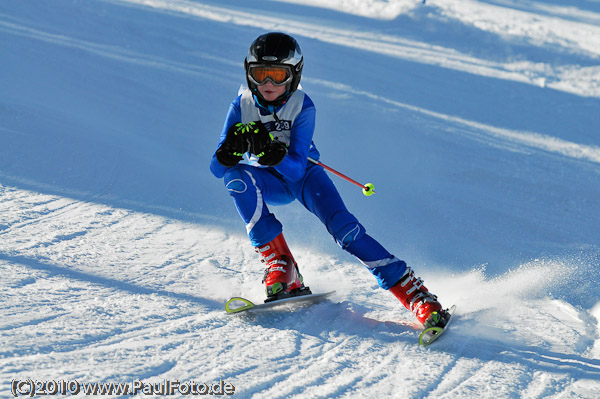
{"type": "Point", "coordinates": [270, 92]}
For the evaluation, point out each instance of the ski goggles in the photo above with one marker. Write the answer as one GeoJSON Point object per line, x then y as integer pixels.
{"type": "Point", "coordinates": [277, 74]}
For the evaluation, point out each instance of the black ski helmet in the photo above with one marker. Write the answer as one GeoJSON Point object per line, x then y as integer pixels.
{"type": "Point", "coordinates": [275, 48]}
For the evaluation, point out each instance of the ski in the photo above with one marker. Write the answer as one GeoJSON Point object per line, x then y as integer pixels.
{"type": "Point", "coordinates": [239, 305]}
{"type": "Point", "coordinates": [430, 334]}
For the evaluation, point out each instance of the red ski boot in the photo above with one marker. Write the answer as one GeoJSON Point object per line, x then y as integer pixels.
{"type": "Point", "coordinates": [282, 277]}
{"type": "Point", "coordinates": [417, 298]}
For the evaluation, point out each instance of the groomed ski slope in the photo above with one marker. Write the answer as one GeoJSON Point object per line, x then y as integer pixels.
{"type": "Point", "coordinates": [477, 122]}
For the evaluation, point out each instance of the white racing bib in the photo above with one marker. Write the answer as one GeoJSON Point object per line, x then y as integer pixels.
{"type": "Point", "coordinates": [280, 128]}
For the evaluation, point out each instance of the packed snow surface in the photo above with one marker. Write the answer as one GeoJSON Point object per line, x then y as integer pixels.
{"type": "Point", "coordinates": [477, 121]}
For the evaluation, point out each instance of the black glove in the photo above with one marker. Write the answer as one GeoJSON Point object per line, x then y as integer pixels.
{"type": "Point", "coordinates": [235, 145]}
{"type": "Point", "coordinates": [269, 151]}
{"type": "Point", "coordinates": [258, 138]}
{"type": "Point", "coordinates": [273, 153]}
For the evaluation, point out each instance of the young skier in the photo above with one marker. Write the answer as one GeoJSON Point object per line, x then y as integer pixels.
{"type": "Point", "coordinates": [262, 157]}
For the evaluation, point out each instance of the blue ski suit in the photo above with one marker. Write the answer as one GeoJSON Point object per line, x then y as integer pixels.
{"type": "Point", "coordinates": [253, 186]}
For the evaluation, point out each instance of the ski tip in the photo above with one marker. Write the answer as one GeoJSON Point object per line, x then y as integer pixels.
{"type": "Point", "coordinates": [237, 304]}
{"type": "Point", "coordinates": [430, 334]}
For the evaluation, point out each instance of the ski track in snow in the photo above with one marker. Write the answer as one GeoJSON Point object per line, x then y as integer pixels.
{"type": "Point", "coordinates": [520, 25]}
{"type": "Point", "coordinates": [509, 139]}
{"type": "Point", "coordinates": [476, 130]}
{"type": "Point", "coordinates": [100, 288]}
{"type": "Point", "coordinates": [145, 294]}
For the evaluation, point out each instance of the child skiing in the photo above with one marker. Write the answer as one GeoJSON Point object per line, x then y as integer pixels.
{"type": "Point", "coordinates": [262, 157]}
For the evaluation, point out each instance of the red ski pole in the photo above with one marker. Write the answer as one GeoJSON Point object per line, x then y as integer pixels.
{"type": "Point", "coordinates": [367, 189]}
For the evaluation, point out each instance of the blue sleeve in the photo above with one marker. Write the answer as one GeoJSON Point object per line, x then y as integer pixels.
{"type": "Point", "coordinates": [234, 115]}
{"type": "Point", "coordinates": [293, 166]}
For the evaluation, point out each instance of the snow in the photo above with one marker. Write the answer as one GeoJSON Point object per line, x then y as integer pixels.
{"type": "Point", "coordinates": [477, 122]}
